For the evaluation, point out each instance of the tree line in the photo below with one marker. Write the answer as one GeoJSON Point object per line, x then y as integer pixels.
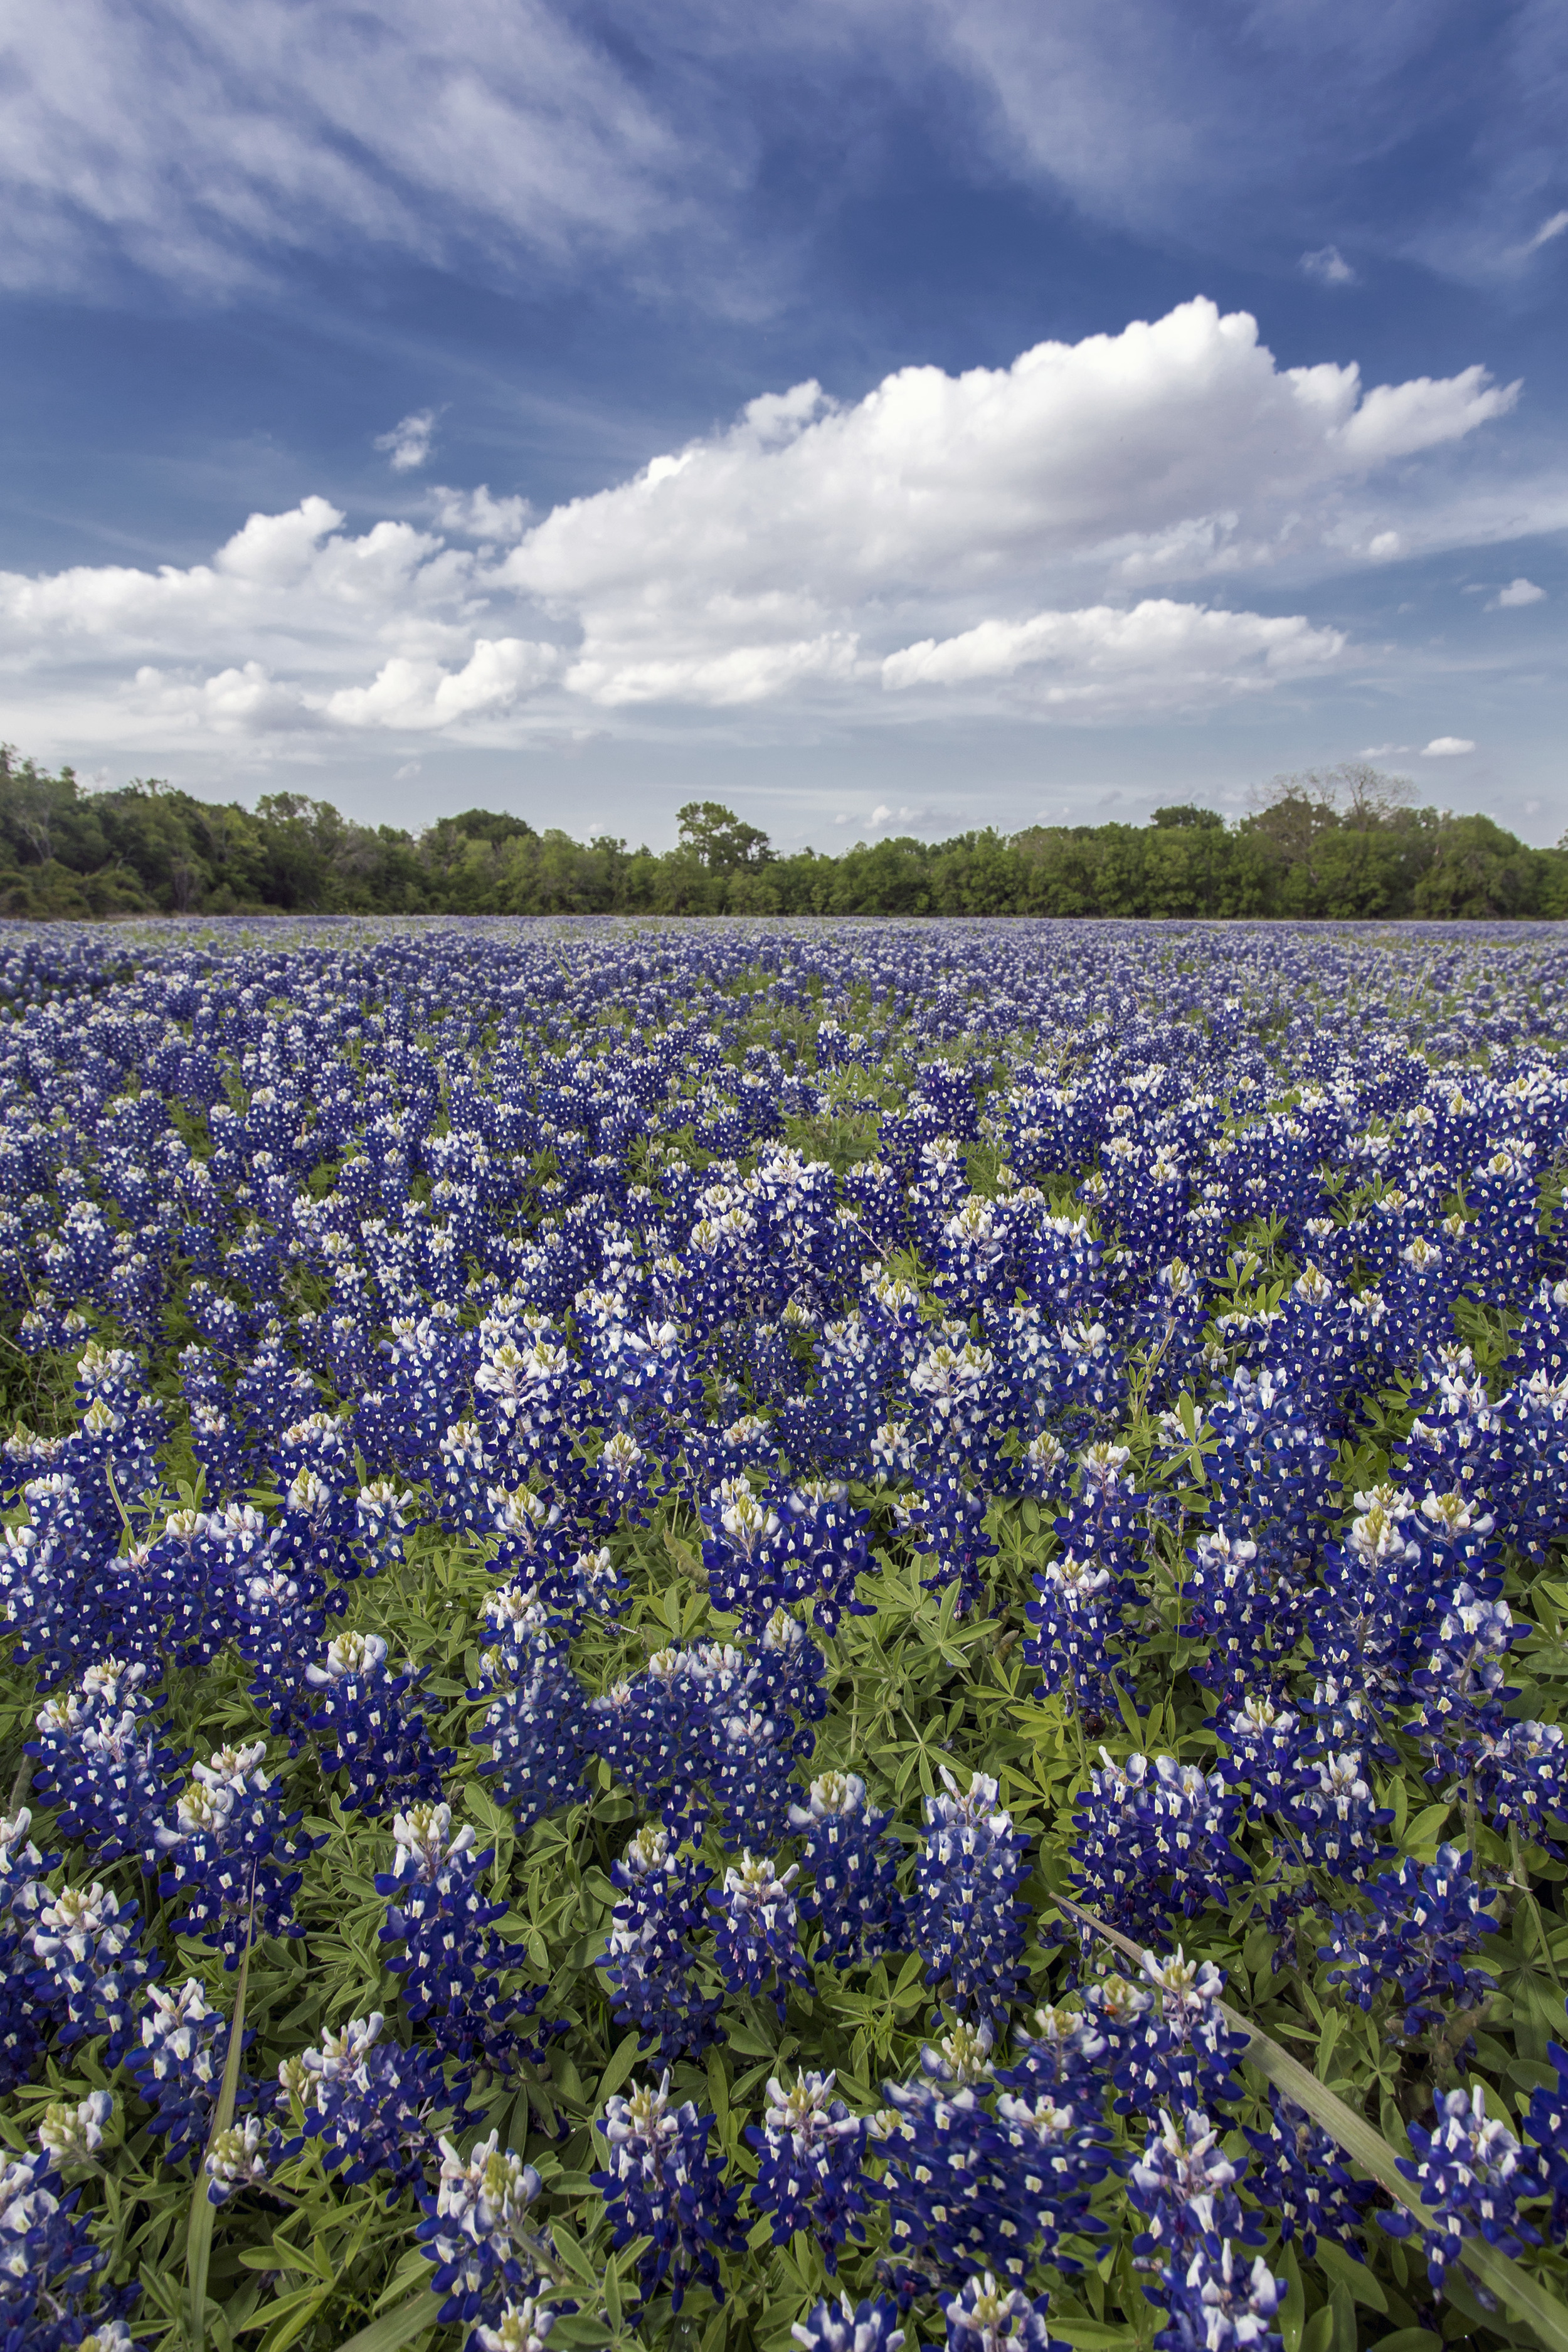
{"type": "Point", "coordinates": [1348, 842]}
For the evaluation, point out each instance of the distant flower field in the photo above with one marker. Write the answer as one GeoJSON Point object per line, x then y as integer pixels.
{"type": "Point", "coordinates": [760, 1635]}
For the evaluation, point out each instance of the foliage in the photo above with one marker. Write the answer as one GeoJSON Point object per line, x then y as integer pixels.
{"type": "Point", "coordinates": [1341, 846]}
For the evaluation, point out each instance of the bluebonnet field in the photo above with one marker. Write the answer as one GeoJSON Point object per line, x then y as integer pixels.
{"type": "Point", "coordinates": [610, 1528]}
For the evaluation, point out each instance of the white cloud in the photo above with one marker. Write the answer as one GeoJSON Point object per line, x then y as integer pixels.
{"type": "Point", "coordinates": [1446, 747]}
{"type": "Point", "coordinates": [209, 143]}
{"type": "Point", "coordinates": [1385, 750]}
{"type": "Point", "coordinates": [1180, 654]}
{"type": "Point", "coordinates": [201, 142]}
{"type": "Point", "coordinates": [421, 695]}
{"type": "Point", "coordinates": [475, 514]}
{"type": "Point", "coordinates": [1548, 232]}
{"type": "Point", "coordinates": [1328, 266]}
{"type": "Point", "coordinates": [973, 537]}
{"type": "Point", "coordinates": [408, 443]}
{"type": "Point", "coordinates": [1518, 591]}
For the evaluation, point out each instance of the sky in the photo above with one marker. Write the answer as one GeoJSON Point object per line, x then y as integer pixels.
{"type": "Point", "coordinates": [888, 416]}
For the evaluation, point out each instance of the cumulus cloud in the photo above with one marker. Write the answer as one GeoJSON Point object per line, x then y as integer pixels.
{"type": "Point", "coordinates": [1328, 266]}
{"type": "Point", "coordinates": [1518, 591]}
{"type": "Point", "coordinates": [1446, 747]}
{"type": "Point", "coordinates": [421, 695]}
{"type": "Point", "coordinates": [1041, 537]}
{"type": "Point", "coordinates": [1181, 653]}
{"type": "Point", "coordinates": [408, 443]}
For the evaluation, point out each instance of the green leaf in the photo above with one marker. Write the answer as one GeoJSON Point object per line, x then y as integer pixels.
{"type": "Point", "coordinates": [398, 2326]}
{"type": "Point", "coordinates": [1344, 2271]}
{"type": "Point", "coordinates": [622, 2059]}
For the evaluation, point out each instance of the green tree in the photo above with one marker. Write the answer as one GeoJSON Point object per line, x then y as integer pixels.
{"type": "Point", "coordinates": [720, 840]}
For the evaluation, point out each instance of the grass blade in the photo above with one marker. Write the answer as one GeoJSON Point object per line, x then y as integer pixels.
{"type": "Point", "coordinates": [199, 2234]}
{"type": "Point", "coordinates": [398, 2326]}
{"type": "Point", "coordinates": [1503, 2277]}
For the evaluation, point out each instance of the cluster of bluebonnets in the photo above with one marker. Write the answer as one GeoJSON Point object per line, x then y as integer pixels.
{"type": "Point", "coordinates": [1183, 1311]}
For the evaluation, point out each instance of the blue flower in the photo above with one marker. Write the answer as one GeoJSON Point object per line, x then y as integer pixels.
{"type": "Point", "coordinates": [661, 2182]}
{"type": "Point", "coordinates": [967, 1923]}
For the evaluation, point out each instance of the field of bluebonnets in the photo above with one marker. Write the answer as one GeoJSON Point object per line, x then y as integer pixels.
{"type": "Point", "coordinates": [703, 1619]}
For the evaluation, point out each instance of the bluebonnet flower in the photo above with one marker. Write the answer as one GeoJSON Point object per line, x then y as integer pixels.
{"type": "Point", "coordinates": [852, 1864]}
{"type": "Point", "coordinates": [1078, 1613]}
{"type": "Point", "coordinates": [1426, 1921]}
{"type": "Point", "coordinates": [1301, 2180]}
{"type": "Point", "coordinates": [231, 1859]}
{"type": "Point", "coordinates": [1154, 1842]}
{"type": "Point", "coordinates": [1185, 2186]}
{"type": "Point", "coordinates": [749, 1776]}
{"type": "Point", "coordinates": [1218, 2303]}
{"type": "Point", "coordinates": [536, 1725]}
{"type": "Point", "coordinates": [1065, 2055]}
{"type": "Point", "coordinates": [50, 2290]}
{"type": "Point", "coordinates": [831, 1550]}
{"type": "Point", "coordinates": [281, 1617]}
{"type": "Point", "coordinates": [947, 1520]}
{"type": "Point", "coordinates": [452, 1964]}
{"type": "Point", "coordinates": [178, 2064]}
{"type": "Point", "coordinates": [1179, 2053]}
{"type": "Point", "coordinates": [785, 1679]}
{"type": "Point", "coordinates": [985, 2316]}
{"type": "Point", "coordinates": [1266, 1740]}
{"type": "Point", "coordinates": [522, 2326]}
{"type": "Point", "coordinates": [967, 1923]}
{"type": "Point", "coordinates": [93, 1965]}
{"type": "Point", "coordinates": [868, 2326]}
{"type": "Point", "coordinates": [977, 2178]}
{"type": "Point", "coordinates": [72, 2135]}
{"type": "Point", "coordinates": [809, 2172]}
{"type": "Point", "coordinates": [650, 1957]}
{"type": "Point", "coordinates": [757, 1937]}
{"type": "Point", "coordinates": [1470, 2172]}
{"type": "Point", "coordinates": [1463, 1688]}
{"type": "Point", "coordinates": [1331, 1820]}
{"type": "Point", "coordinates": [1248, 1616]}
{"type": "Point", "coordinates": [383, 1513]}
{"type": "Point", "coordinates": [26, 2016]}
{"type": "Point", "coordinates": [1519, 1771]}
{"type": "Point", "coordinates": [747, 1550]}
{"type": "Point", "coordinates": [662, 2183]}
{"type": "Point", "coordinates": [369, 2104]}
{"type": "Point", "coordinates": [368, 1730]}
{"type": "Point", "coordinates": [477, 2233]}
{"type": "Point", "coordinates": [1271, 1462]}
{"type": "Point", "coordinates": [101, 1763]}
{"type": "Point", "coordinates": [241, 2156]}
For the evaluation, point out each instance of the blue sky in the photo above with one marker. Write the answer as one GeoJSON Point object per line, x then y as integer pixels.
{"type": "Point", "coordinates": [883, 416]}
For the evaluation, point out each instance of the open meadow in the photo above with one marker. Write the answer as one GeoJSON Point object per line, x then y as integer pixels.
{"type": "Point", "coordinates": [706, 1618]}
